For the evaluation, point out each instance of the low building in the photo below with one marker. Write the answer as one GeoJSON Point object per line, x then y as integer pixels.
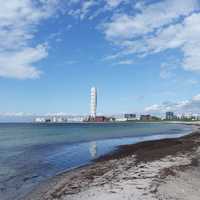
{"type": "Point", "coordinates": [111, 119]}
{"type": "Point", "coordinates": [54, 119]}
{"type": "Point", "coordinates": [145, 117]}
{"type": "Point", "coordinates": [189, 117]}
{"type": "Point", "coordinates": [100, 119]}
{"type": "Point", "coordinates": [155, 118]}
{"type": "Point", "coordinates": [47, 120]}
{"type": "Point", "coordinates": [130, 117]}
{"type": "Point", "coordinates": [39, 120]}
{"type": "Point", "coordinates": [120, 119]}
{"type": "Point", "coordinates": [76, 119]}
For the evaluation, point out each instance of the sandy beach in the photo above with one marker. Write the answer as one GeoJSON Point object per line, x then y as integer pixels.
{"type": "Point", "coordinates": [163, 169]}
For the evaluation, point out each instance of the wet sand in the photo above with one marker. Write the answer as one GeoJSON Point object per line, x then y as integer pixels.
{"type": "Point", "coordinates": [163, 169]}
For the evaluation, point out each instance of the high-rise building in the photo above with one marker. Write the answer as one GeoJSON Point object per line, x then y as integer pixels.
{"type": "Point", "coordinates": [169, 116]}
{"type": "Point", "coordinates": [93, 102]}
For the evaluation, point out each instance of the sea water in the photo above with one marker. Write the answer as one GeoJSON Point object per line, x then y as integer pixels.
{"type": "Point", "coordinates": [31, 153]}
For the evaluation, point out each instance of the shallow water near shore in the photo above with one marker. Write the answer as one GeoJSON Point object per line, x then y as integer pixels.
{"type": "Point", "coordinates": [31, 153]}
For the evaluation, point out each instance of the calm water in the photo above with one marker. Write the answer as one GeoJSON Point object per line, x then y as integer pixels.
{"type": "Point", "coordinates": [31, 153]}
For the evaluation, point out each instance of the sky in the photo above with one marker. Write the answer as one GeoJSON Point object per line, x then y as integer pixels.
{"type": "Point", "coordinates": [143, 56]}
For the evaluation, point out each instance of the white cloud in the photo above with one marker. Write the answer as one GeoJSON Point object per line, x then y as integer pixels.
{"type": "Point", "coordinates": [187, 106]}
{"type": "Point", "coordinates": [69, 27]}
{"type": "Point", "coordinates": [86, 6]}
{"type": "Point", "coordinates": [15, 114]}
{"type": "Point", "coordinates": [159, 27]}
{"type": "Point", "coordinates": [167, 70]}
{"type": "Point", "coordinates": [151, 17]}
{"type": "Point", "coordinates": [114, 3]}
{"type": "Point", "coordinates": [71, 62]}
{"type": "Point", "coordinates": [18, 24]}
{"type": "Point", "coordinates": [185, 36]}
{"type": "Point", "coordinates": [147, 28]}
{"type": "Point", "coordinates": [196, 98]}
{"type": "Point", "coordinates": [90, 9]}
{"type": "Point", "coordinates": [125, 62]}
{"type": "Point", "coordinates": [20, 64]}
{"type": "Point", "coordinates": [83, 8]}
{"type": "Point", "coordinates": [192, 81]}
{"type": "Point", "coordinates": [110, 57]}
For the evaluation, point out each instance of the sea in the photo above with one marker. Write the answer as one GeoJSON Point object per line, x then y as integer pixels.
{"type": "Point", "coordinates": [31, 153]}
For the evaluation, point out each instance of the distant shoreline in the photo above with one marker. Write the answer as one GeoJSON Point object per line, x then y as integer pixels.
{"type": "Point", "coordinates": [124, 122]}
{"type": "Point", "coordinates": [118, 122]}
{"type": "Point", "coordinates": [84, 182]}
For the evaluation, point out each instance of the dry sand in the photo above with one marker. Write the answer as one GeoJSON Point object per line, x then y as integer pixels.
{"type": "Point", "coordinates": [164, 169]}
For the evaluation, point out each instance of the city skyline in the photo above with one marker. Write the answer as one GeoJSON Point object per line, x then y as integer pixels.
{"type": "Point", "coordinates": [141, 60]}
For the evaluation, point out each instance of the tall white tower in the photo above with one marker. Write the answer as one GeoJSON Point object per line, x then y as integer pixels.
{"type": "Point", "coordinates": [93, 102]}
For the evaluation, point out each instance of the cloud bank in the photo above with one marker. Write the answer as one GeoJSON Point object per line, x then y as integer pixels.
{"type": "Point", "coordinates": [187, 106]}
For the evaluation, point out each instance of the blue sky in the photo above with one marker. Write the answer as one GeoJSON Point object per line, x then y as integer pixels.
{"type": "Point", "coordinates": [143, 56]}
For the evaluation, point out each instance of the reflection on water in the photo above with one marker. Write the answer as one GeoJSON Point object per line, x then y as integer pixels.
{"type": "Point", "coordinates": [93, 149]}
{"type": "Point", "coordinates": [31, 153]}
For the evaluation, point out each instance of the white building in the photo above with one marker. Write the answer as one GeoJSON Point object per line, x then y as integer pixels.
{"type": "Point", "coordinates": [93, 102]}
{"type": "Point", "coordinates": [40, 120]}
